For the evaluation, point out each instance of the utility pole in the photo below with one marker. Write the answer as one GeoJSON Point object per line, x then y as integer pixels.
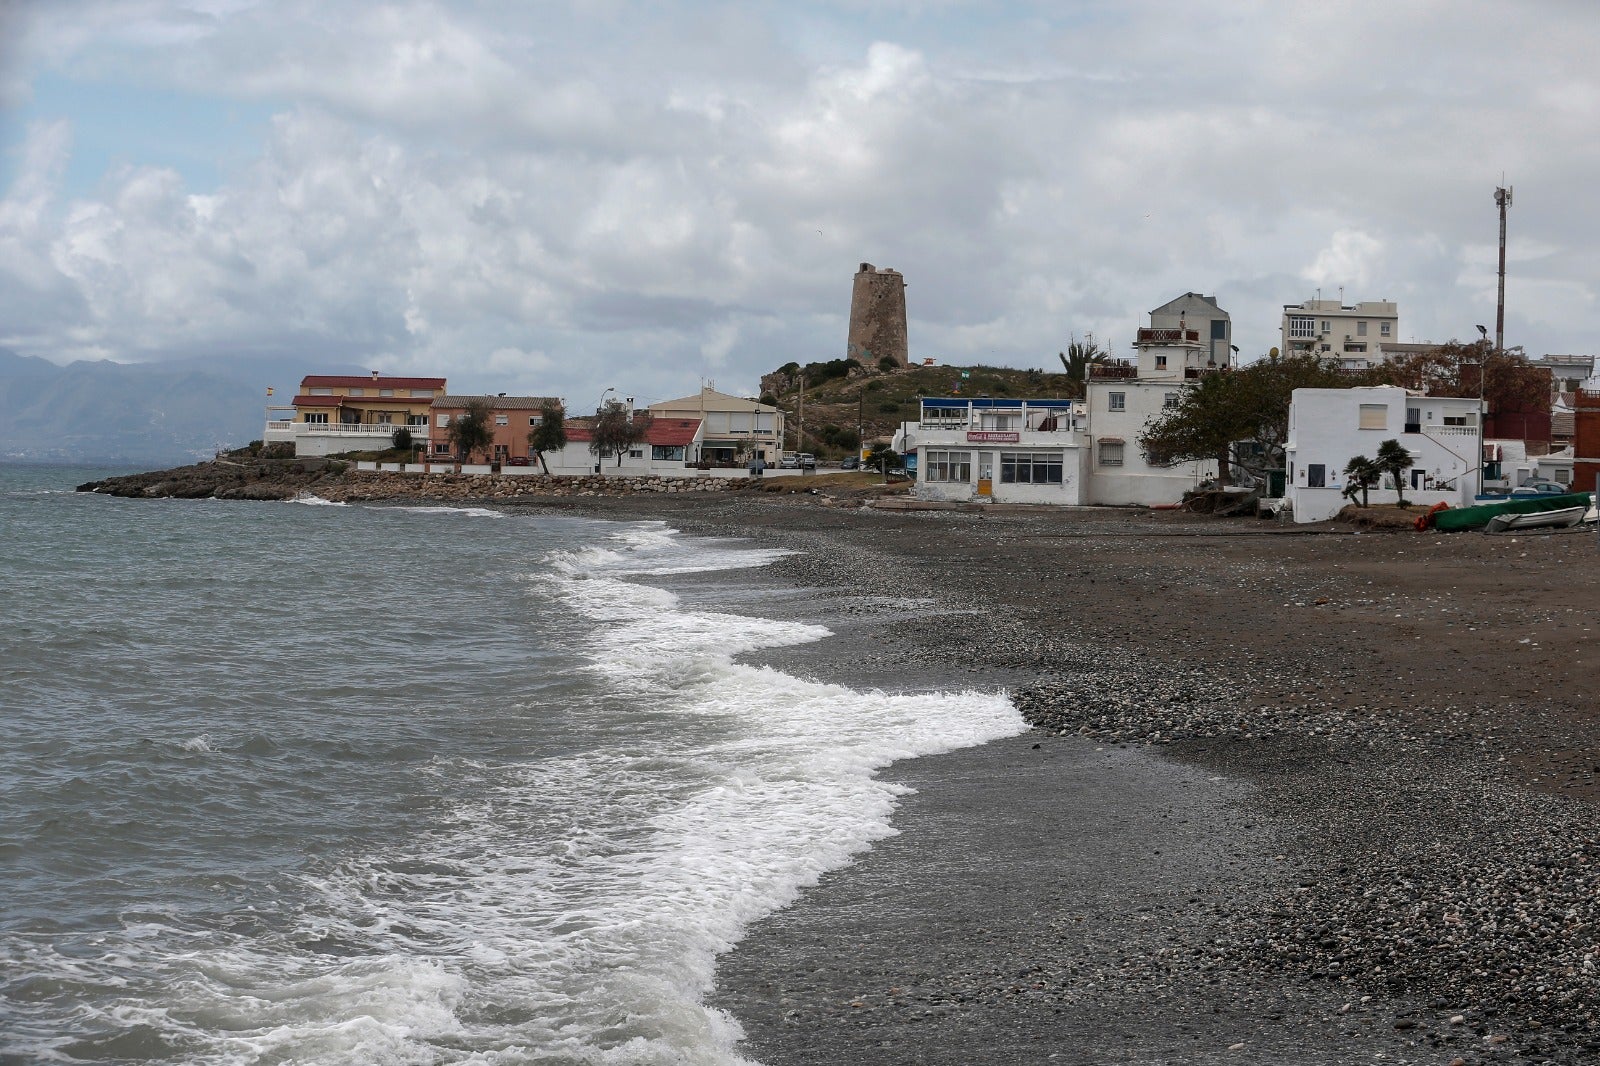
{"type": "Point", "coordinates": [1502, 198]}
{"type": "Point", "coordinates": [800, 430]}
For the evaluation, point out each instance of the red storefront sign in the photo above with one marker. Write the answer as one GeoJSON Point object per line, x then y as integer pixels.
{"type": "Point", "coordinates": [990, 436]}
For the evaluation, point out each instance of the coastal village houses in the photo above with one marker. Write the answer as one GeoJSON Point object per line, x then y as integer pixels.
{"type": "Point", "coordinates": [1357, 336]}
{"type": "Point", "coordinates": [342, 413]}
{"type": "Point", "coordinates": [1173, 352]}
{"type": "Point", "coordinates": [735, 429]}
{"type": "Point", "coordinates": [1329, 427]}
{"type": "Point", "coordinates": [998, 450]}
{"type": "Point", "coordinates": [511, 419]}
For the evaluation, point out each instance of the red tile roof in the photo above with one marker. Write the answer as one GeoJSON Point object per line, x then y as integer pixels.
{"type": "Point", "coordinates": [360, 401]}
{"type": "Point", "coordinates": [335, 381]}
{"type": "Point", "coordinates": [664, 432]}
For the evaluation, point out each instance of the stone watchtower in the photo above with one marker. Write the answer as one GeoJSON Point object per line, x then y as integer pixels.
{"type": "Point", "coordinates": [878, 317]}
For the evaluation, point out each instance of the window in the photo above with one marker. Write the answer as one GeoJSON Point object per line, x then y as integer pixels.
{"type": "Point", "coordinates": [666, 451]}
{"type": "Point", "coordinates": [1030, 468]}
{"type": "Point", "coordinates": [502, 420]}
{"type": "Point", "coordinates": [385, 392]}
{"type": "Point", "coordinates": [1161, 362]}
{"type": "Point", "coordinates": [1116, 401]}
{"type": "Point", "coordinates": [441, 448]}
{"type": "Point", "coordinates": [426, 394]}
{"type": "Point", "coordinates": [1361, 329]}
{"type": "Point", "coordinates": [416, 420]}
{"type": "Point", "coordinates": [1327, 327]}
{"type": "Point", "coordinates": [1385, 327]}
{"type": "Point", "coordinates": [534, 420]}
{"type": "Point", "coordinates": [317, 418]}
{"type": "Point", "coordinates": [385, 418]}
{"type": "Point", "coordinates": [1302, 327]}
{"type": "Point", "coordinates": [322, 392]}
{"type": "Point", "coordinates": [1374, 416]}
{"type": "Point", "coordinates": [1169, 400]}
{"type": "Point", "coordinates": [636, 453]}
{"type": "Point", "coordinates": [1111, 453]}
{"type": "Point", "coordinates": [1219, 330]}
{"type": "Point", "coordinates": [1316, 476]}
{"type": "Point", "coordinates": [1455, 420]}
{"type": "Point", "coordinates": [949, 466]}
{"type": "Point", "coordinates": [358, 392]}
{"type": "Point", "coordinates": [1327, 347]}
{"type": "Point", "coordinates": [1353, 346]}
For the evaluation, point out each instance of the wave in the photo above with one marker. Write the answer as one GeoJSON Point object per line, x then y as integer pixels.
{"type": "Point", "coordinates": [313, 500]}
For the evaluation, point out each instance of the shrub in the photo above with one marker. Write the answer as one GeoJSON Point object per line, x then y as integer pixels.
{"type": "Point", "coordinates": [888, 407]}
{"type": "Point", "coordinates": [888, 362]}
{"type": "Point", "coordinates": [874, 386]}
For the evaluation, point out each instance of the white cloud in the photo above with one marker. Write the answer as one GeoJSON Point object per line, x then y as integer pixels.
{"type": "Point", "coordinates": [572, 197]}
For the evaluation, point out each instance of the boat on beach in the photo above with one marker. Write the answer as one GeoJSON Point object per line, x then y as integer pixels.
{"type": "Point", "coordinates": [1560, 518]}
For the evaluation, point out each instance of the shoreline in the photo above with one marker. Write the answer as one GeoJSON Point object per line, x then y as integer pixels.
{"type": "Point", "coordinates": [1427, 883]}
{"type": "Point", "coordinates": [1403, 720]}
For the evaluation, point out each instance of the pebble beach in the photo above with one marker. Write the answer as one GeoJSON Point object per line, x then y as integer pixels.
{"type": "Point", "coordinates": [1291, 795]}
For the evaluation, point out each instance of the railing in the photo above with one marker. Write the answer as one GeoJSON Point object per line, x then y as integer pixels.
{"type": "Point", "coordinates": [1450, 431]}
{"type": "Point", "coordinates": [1113, 371]}
{"type": "Point", "coordinates": [370, 429]}
{"type": "Point", "coordinates": [1168, 336]}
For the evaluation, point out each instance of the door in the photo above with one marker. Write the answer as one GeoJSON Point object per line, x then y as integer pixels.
{"type": "Point", "coordinates": [985, 474]}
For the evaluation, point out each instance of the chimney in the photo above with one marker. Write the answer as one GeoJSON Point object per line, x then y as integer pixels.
{"type": "Point", "coordinates": [374, 375]}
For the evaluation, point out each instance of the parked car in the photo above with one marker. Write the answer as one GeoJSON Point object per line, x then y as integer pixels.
{"type": "Point", "coordinates": [1540, 488]}
{"type": "Point", "coordinates": [789, 462]}
{"type": "Point", "coordinates": [850, 462]}
{"type": "Point", "coordinates": [807, 461]}
{"type": "Point", "coordinates": [518, 460]}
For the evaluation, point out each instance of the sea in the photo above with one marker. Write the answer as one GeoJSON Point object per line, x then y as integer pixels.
{"type": "Point", "coordinates": [310, 783]}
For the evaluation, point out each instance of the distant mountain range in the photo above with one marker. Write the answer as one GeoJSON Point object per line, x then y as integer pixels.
{"type": "Point", "coordinates": [138, 413]}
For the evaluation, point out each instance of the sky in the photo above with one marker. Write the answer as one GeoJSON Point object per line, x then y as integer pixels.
{"type": "Point", "coordinates": [557, 198]}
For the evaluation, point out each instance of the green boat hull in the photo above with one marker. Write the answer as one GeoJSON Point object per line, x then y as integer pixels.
{"type": "Point", "coordinates": [1477, 517]}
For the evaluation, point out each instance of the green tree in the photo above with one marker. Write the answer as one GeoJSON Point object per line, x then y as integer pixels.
{"type": "Point", "coordinates": [1078, 358]}
{"type": "Point", "coordinates": [1508, 381]}
{"type": "Point", "coordinates": [471, 430]}
{"type": "Point", "coordinates": [1248, 404]}
{"type": "Point", "coordinates": [550, 435]}
{"type": "Point", "coordinates": [883, 458]}
{"type": "Point", "coordinates": [401, 440]}
{"type": "Point", "coordinates": [1361, 474]}
{"type": "Point", "coordinates": [1394, 460]}
{"type": "Point", "coordinates": [617, 428]}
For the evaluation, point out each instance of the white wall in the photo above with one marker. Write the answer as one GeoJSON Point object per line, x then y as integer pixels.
{"type": "Point", "coordinates": [1324, 430]}
{"type": "Point", "coordinates": [1135, 482]}
{"type": "Point", "coordinates": [987, 456]}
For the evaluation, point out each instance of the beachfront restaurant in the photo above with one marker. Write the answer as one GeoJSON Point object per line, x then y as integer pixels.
{"type": "Point", "coordinates": [998, 450]}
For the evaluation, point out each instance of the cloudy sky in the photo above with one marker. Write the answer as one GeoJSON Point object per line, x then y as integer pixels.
{"type": "Point", "coordinates": [560, 197]}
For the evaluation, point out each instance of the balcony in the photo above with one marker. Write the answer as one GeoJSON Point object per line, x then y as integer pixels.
{"type": "Point", "coordinates": [1112, 371]}
{"type": "Point", "coordinates": [1450, 431]}
{"type": "Point", "coordinates": [360, 429]}
{"type": "Point", "coordinates": [1167, 336]}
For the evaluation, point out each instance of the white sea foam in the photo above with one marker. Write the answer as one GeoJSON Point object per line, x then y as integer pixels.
{"type": "Point", "coordinates": [201, 743]}
{"type": "Point", "coordinates": [313, 500]}
{"type": "Point", "coordinates": [572, 909]}
{"type": "Point", "coordinates": [471, 512]}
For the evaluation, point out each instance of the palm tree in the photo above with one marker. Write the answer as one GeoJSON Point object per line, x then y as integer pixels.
{"type": "Point", "coordinates": [1360, 474]}
{"type": "Point", "coordinates": [1393, 459]}
{"type": "Point", "coordinates": [1079, 357]}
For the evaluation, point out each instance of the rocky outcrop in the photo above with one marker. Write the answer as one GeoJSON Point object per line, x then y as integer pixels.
{"type": "Point", "coordinates": [331, 480]}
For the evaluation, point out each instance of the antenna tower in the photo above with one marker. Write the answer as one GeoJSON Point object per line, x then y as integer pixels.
{"type": "Point", "coordinates": [1502, 198]}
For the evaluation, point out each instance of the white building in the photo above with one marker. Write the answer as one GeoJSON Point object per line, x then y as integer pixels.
{"type": "Point", "coordinates": [1329, 427]}
{"type": "Point", "coordinates": [1354, 335]}
{"type": "Point", "coordinates": [734, 428]}
{"type": "Point", "coordinates": [1124, 398]}
{"type": "Point", "coordinates": [998, 450]}
{"type": "Point", "coordinates": [1201, 314]}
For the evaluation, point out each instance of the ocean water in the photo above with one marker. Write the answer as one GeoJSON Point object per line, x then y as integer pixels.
{"type": "Point", "coordinates": [303, 783]}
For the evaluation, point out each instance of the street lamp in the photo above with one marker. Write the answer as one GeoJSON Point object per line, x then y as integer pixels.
{"type": "Point", "coordinates": [1483, 372]}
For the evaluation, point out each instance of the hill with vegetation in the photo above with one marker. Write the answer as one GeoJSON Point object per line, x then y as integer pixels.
{"type": "Point", "coordinates": [847, 404]}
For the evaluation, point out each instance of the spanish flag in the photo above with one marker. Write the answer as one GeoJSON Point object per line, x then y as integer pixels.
{"type": "Point", "coordinates": [269, 390]}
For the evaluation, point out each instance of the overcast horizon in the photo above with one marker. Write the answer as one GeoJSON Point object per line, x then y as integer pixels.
{"type": "Point", "coordinates": [560, 198]}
